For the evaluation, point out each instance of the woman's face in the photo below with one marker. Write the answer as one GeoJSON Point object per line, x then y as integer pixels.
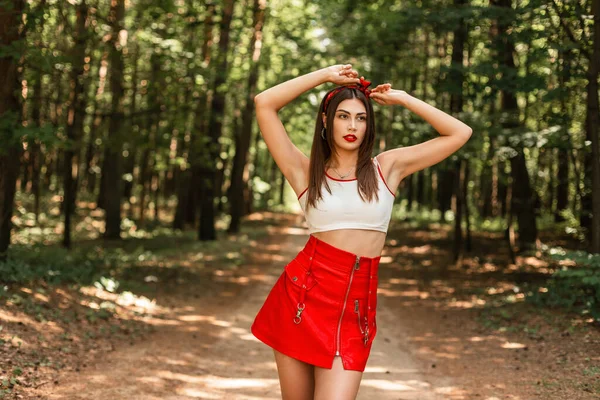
{"type": "Point", "coordinates": [349, 124]}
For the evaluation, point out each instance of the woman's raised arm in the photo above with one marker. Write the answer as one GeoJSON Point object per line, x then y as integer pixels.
{"type": "Point", "coordinates": [400, 162]}
{"type": "Point", "coordinates": [290, 160]}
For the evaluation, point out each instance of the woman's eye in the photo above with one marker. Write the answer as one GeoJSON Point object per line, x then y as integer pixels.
{"type": "Point", "coordinates": [361, 118]}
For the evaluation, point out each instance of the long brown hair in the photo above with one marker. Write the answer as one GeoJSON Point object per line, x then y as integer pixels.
{"type": "Point", "coordinates": [322, 149]}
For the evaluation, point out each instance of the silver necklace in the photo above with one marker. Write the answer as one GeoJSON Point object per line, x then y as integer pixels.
{"type": "Point", "coordinates": [343, 176]}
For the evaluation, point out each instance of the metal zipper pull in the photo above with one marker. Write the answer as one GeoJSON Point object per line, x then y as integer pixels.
{"type": "Point", "coordinates": [357, 311]}
{"type": "Point", "coordinates": [357, 263]}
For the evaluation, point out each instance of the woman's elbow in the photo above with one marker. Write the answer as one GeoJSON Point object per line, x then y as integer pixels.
{"type": "Point", "coordinates": [259, 100]}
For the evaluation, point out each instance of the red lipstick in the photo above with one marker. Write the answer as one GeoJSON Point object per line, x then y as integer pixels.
{"type": "Point", "coordinates": [350, 138]}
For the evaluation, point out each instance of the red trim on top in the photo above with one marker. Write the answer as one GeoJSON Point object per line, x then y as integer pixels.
{"type": "Point", "coordinates": [339, 180]}
{"type": "Point", "coordinates": [304, 191]}
{"type": "Point", "coordinates": [383, 179]}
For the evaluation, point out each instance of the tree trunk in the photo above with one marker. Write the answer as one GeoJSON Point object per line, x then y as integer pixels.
{"type": "Point", "coordinates": [189, 195]}
{"type": "Point", "coordinates": [238, 184]}
{"type": "Point", "coordinates": [488, 182]}
{"type": "Point", "coordinates": [36, 117]}
{"type": "Point", "coordinates": [562, 176]}
{"type": "Point", "coordinates": [206, 230]}
{"type": "Point", "coordinates": [456, 76]}
{"type": "Point", "coordinates": [143, 182]}
{"type": "Point", "coordinates": [91, 158]}
{"type": "Point", "coordinates": [76, 116]}
{"type": "Point", "coordinates": [549, 200]}
{"type": "Point", "coordinates": [562, 188]}
{"type": "Point", "coordinates": [445, 189]}
{"type": "Point", "coordinates": [468, 243]}
{"type": "Point", "coordinates": [10, 116]}
{"type": "Point", "coordinates": [458, 211]}
{"type": "Point", "coordinates": [132, 144]}
{"type": "Point", "coordinates": [420, 175]}
{"type": "Point", "coordinates": [410, 193]}
{"type": "Point", "coordinates": [592, 121]}
{"type": "Point", "coordinates": [113, 161]}
{"type": "Point", "coordinates": [148, 163]}
{"type": "Point", "coordinates": [522, 195]}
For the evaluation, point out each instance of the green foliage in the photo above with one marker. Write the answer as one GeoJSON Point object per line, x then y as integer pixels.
{"type": "Point", "coordinates": [56, 265]}
{"type": "Point", "coordinates": [13, 50]}
{"type": "Point", "coordinates": [575, 288]}
{"type": "Point", "coordinates": [13, 133]}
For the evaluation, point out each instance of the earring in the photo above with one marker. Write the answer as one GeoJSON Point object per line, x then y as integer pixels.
{"type": "Point", "coordinates": [323, 133]}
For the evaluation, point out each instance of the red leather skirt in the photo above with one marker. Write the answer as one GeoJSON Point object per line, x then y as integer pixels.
{"type": "Point", "coordinates": [323, 304]}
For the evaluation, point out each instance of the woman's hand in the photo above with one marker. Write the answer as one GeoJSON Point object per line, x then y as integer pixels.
{"type": "Point", "coordinates": [342, 74]}
{"type": "Point", "coordinates": [385, 95]}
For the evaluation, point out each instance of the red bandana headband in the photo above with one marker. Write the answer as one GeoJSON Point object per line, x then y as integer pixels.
{"type": "Point", "coordinates": [362, 86]}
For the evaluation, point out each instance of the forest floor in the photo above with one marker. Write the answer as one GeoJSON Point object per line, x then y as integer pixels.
{"type": "Point", "coordinates": [178, 327]}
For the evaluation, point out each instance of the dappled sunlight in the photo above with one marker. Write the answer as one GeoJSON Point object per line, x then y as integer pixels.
{"type": "Point", "coordinates": [230, 276]}
{"type": "Point", "coordinates": [386, 260]}
{"type": "Point", "coordinates": [426, 263]}
{"type": "Point", "coordinates": [286, 230]}
{"type": "Point", "coordinates": [195, 393]}
{"type": "Point", "coordinates": [202, 318]}
{"type": "Point", "coordinates": [24, 319]}
{"type": "Point", "coordinates": [258, 274]}
{"type": "Point", "coordinates": [387, 370]}
{"type": "Point", "coordinates": [402, 281]}
{"type": "Point", "coordinates": [534, 262]}
{"type": "Point", "coordinates": [474, 303]}
{"type": "Point", "coordinates": [202, 299]}
{"type": "Point", "coordinates": [249, 336]}
{"type": "Point", "coordinates": [403, 293]}
{"type": "Point", "coordinates": [127, 299]}
{"type": "Point", "coordinates": [237, 383]}
{"type": "Point", "coordinates": [411, 288]}
{"type": "Point", "coordinates": [438, 354]}
{"type": "Point", "coordinates": [154, 380]}
{"type": "Point", "coordinates": [215, 387]}
{"type": "Point", "coordinates": [396, 385]}
{"type": "Point", "coordinates": [38, 296]}
{"type": "Point", "coordinates": [257, 216]}
{"type": "Point", "coordinates": [476, 339]}
{"type": "Point", "coordinates": [510, 345]}
{"type": "Point", "coordinates": [161, 322]}
{"type": "Point", "coordinates": [456, 393]}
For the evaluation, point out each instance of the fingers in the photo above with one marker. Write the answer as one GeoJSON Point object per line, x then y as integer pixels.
{"type": "Point", "coordinates": [349, 72]}
{"type": "Point", "coordinates": [376, 99]}
{"type": "Point", "coordinates": [384, 87]}
{"type": "Point", "coordinates": [379, 98]}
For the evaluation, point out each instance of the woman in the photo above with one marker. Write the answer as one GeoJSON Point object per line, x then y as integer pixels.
{"type": "Point", "coordinates": [319, 317]}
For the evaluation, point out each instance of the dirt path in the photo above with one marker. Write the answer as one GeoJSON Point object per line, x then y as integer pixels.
{"type": "Point", "coordinates": [203, 347]}
{"type": "Point", "coordinates": [448, 332]}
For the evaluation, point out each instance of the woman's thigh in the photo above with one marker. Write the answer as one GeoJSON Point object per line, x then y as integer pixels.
{"type": "Point", "coordinates": [296, 378]}
{"type": "Point", "coordinates": [336, 383]}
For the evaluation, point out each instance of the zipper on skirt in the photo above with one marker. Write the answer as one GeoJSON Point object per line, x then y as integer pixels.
{"type": "Point", "coordinates": [356, 267]}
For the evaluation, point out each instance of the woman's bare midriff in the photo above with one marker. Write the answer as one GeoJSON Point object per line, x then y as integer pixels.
{"type": "Point", "coordinates": [362, 242]}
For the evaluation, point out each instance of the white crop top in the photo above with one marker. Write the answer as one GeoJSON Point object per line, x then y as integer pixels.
{"type": "Point", "coordinates": [344, 209]}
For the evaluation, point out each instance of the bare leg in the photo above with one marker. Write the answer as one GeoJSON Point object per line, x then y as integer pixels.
{"type": "Point", "coordinates": [296, 378]}
{"type": "Point", "coordinates": [336, 383]}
